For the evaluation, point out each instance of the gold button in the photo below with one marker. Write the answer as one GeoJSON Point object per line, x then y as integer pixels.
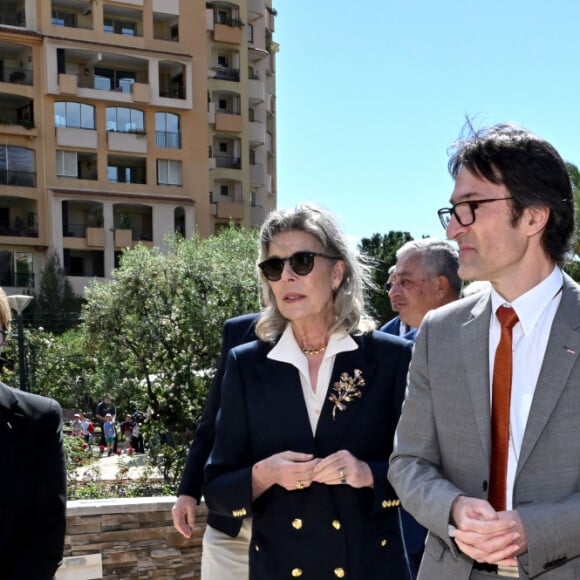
{"type": "Point", "coordinates": [297, 524]}
{"type": "Point", "coordinates": [336, 524]}
{"type": "Point", "coordinates": [257, 548]}
{"type": "Point", "coordinates": [339, 572]}
{"type": "Point", "coordinates": [385, 503]}
{"type": "Point", "coordinates": [383, 543]}
{"type": "Point", "coordinates": [296, 572]}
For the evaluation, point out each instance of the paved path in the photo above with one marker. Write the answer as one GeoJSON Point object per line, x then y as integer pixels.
{"type": "Point", "coordinates": [109, 468]}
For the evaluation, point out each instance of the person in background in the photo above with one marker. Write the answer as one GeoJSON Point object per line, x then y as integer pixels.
{"type": "Point", "coordinates": [308, 414]}
{"type": "Point", "coordinates": [226, 539]}
{"type": "Point", "coordinates": [486, 451]}
{"type": "Point", "coordinates": [136, 436]}
{"type": "Point", "coordinates": [76, 425]}
{"type": "Point", "coordinates": [126, 427]}
{"type": "Point", "coordinates": [424, 277]}
{"type": "Point", "coordinates": [395, 326]}
{"type": "Point", "coordinates": [104, 407]}
{"type": "Point", "coordinates": [110, 431]}
{"type": "Point", "coordinates": [33, 481]}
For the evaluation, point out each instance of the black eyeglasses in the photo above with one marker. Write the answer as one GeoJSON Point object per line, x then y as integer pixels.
{"type": "Point", "coordinates": [3, 336]}
{"type": "Point", "coordinates": [464, 211]}
{"type": "Point", "coordinates": [300, 262]}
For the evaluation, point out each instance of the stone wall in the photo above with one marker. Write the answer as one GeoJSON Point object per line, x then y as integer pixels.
{"type": "Point", "coordinates": [134, 537]}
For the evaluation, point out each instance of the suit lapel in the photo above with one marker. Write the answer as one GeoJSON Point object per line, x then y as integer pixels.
{"type": "Point", "coordinates": [11, 426]}
{"type": "Point", "coordinates": [561, 355]}
{"type": "Point", "coordinates": [330, 432]}
{"type": "Point", "coordinates": [281, 389]}
{"type": "Point", "coordinates": [475, 352]}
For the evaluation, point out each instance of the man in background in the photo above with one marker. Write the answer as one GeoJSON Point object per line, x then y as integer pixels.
{"type": "Point", "coordinates": [424, 277]}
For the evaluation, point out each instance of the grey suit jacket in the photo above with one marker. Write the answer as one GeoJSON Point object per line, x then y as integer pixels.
{"type": "Point", "coordinates": [443, 440]}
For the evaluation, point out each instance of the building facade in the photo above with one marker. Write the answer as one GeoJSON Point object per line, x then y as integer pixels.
{"type": "Point", "coordinates": [124, 121]}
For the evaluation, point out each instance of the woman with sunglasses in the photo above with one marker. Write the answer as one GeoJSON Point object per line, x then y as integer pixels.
{"type": "Point", "coordinates": [308, 415]}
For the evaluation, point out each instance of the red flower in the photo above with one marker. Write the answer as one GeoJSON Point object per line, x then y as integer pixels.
{"type": "Point", "coordinates": [102, 448]}
{"type": "Point", "coordinates": [119, 452]}
{"type": "Point", "coordinates": [85, 445]}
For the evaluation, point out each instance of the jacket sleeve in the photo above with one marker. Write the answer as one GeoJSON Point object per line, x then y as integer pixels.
{"type": "Point", "coordinates": [45, 539]}
{"type": "Point", "coordinates": [228, 472]}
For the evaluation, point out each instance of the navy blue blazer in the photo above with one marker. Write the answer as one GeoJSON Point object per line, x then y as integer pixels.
{"type": "Point", "coordinates": [317, 531]}
{"type": "Point", "coordinates": [394, 326]}
{"type": "Point", "coordinates": [32, 486]}
{"type": "Point", "coordinates": [236, 331]}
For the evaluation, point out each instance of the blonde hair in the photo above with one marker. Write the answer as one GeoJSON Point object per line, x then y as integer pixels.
{"type": "Point", "coordinates": [349, 302]}
{"type": "Point", "coordinates": [5, 314]}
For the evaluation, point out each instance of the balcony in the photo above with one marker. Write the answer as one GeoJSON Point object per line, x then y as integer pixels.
{"type": "Point", "coordinates": [256, 91]}
{"type": "Point", "coordinates": [83, 221]}
{"type": "Point", "coordinates": [16, 76]}
{"type": "Point", "coordinates": [18, 217]}
{"type": "Point", "coordinates": [257, 133]}
{"type": "Point", "coordinates": [167, 140]}
{"type": "Point", "coordinates": [228, 162]}
{"type": "Point", "coordinates": [224, 73]}
{"type": "Point", "coordinates": [229, 33]}
{"type": "Point", "coordinates": [72, 14]}
{"type": "Point", "coordinates": [18, 178]}
{"type": "Point", "coordinates": [229, 123]}
{"type": "Point", "coordinates": [257, 175]}
{"type": "Point", "coordinates": [13, 13]}
{"type": "Point", "coordinates": [165, 27]}
{"type": "Point", "coordinates": [16, 114]}
{"type": "Point", "coordinates": [127, 142]}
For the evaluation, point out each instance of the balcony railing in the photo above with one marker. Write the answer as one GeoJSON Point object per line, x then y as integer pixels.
{"type": "Point", "coordinates": [167, 140]}
{"type": "Point", "coordinates": [16, 76]}
{"type": "Point", "coordinates": [7, 117]}
{"type": "Point", "coordinates": [16, 279]}
{"type": "Point", "coordinates": [13, 20]}
{"type": "Point", "coordinates": [224, 73]}
{"type": "Point", "coordinates": [75, 231]}
{"type": "Point", "coordinates": [18, 229]}
{"type": "Point", "coordinates": [18, 178]}
{"type": "Point", "coordinates": [228, 162]}
{"type": "Point", "coordinates": [104, 83]}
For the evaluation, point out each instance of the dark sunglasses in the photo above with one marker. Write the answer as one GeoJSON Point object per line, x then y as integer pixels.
{"type": "Point", "coordinates": [300, 262]}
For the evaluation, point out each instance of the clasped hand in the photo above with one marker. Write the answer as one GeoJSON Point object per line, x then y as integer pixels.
{"type": "Point", "coordinates": [486, 535]}
{"type": "Point", "coordinates": [293, 470]}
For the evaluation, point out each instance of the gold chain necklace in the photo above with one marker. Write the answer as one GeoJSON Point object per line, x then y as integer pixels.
{"type": "Point", "coordinates": [312, 351]}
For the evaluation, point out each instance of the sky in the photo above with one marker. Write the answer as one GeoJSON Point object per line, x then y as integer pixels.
{"type": "Point", "coordinates": [370, 95]}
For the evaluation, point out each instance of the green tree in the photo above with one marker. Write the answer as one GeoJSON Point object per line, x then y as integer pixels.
{"type": "Point", "coordinates": [380, 250]}
{"type": "Point", "coordinates": [56, 307]}
{"type": "Point", "coordinates": [158, 322]}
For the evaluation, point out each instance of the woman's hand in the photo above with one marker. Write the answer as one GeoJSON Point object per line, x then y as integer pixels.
{"type": "Point", "coordinates": [289, 469]}
{"type": "Point", "coordinates": [343, 468]}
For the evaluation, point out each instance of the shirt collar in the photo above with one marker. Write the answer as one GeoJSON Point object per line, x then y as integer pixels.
{"type": "Point", "coordinates": [530, 306]}
{"type": "Point", "coordinates": [287, 349]}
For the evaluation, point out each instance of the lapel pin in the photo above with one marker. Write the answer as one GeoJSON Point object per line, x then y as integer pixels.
{"type": "Point", "coordinates": [8, 423]}
{"type": "Point", "coordinates": [570, 350]}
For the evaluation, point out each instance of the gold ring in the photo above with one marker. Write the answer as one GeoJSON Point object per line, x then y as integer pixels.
{"type": "Point", "coordinates": [299, 484]}
{"type": "Point", "coordinates": [342, 476]}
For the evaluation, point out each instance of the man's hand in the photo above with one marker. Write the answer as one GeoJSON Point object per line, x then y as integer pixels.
{"type": "Point", "coordinates": [183, 513]}
{"type": "Point", "coordinates": [486, 535]}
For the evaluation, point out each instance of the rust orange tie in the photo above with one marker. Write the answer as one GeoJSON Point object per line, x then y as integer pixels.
{"type": "Point", "coordinates": [500, 409]}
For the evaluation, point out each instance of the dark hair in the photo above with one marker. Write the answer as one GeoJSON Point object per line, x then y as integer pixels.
{"type": "Point", "coordinates": [532, 171]}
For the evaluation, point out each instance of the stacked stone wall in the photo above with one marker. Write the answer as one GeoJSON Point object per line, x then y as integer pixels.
{"type": "Point", "coordinates": [135, 539]}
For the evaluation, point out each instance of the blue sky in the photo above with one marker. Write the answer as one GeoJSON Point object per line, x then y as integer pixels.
{"type": "Point", "coordinates": [370, 95]}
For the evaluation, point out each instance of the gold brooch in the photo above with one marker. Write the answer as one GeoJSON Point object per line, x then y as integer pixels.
{"type": "Point", "coordinates": [346, 390]}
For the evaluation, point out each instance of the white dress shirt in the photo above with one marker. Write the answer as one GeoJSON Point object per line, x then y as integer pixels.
{"type": "Point", "coordinates": [536, 310]}
{"type": "Point", "coordinates": [288, 351]}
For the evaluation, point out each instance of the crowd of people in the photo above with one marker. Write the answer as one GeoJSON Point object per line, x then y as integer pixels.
{"type": "Point", "coordinates": [440, 446]}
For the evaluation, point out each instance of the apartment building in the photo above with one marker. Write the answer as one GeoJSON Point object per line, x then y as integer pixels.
{"type": "Point", "coordinates": [124, 121]}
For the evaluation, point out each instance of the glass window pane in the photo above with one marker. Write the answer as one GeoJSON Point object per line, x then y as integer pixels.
{"type": "Point", "coordinates": [111, 118]}
{"type": "Point", "coordinates": [87, 117]}
{"type": "Point", "coordinates": [73, 115]}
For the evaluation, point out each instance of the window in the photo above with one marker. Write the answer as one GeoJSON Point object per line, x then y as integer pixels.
{"type": "Point", "coordinates": [66, 164]}
{"type": "Point", "coordinates": [222, 60]}
{"type": "Point", "coordinates": [120, 26]}
{"type": "Point", "coordinates": [107, 79]}
{"type": "Point", "coordinates": [125, 120]}
{"type": "Point", "coordinates": [16, 269]}
{"type": "Point", "coordinates": [223, 147]}
{"type": "Point", "coordinates": [17, 166]}
{"type": "Point", "coordinates": [74, 115]}
{"type": "Point", "coordinates": [250, 32]}
{"type": "Point", "coordinates": [224, 190]}
{"type": "Point", "coordinates": [61, 18]}
{"type": "Point", "coordinates": [168, 172]}
{"type": "Point", "coordinates": [168, 131]}
{"type": "Point", "coordinates": [123, 169]}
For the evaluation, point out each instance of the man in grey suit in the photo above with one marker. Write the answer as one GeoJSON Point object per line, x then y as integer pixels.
{"type": "Point", "coordinates": [512, 216]}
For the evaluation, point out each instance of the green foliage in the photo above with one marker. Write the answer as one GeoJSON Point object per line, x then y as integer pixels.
{"type": "Point", "coordinates": [575, 179]}
{"type": "Point", "coordinates": [156, 326]}
{"type": "Point", "coordinates": [381, 250]}
{"type": "Point", "coordinates": [56, 307]}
